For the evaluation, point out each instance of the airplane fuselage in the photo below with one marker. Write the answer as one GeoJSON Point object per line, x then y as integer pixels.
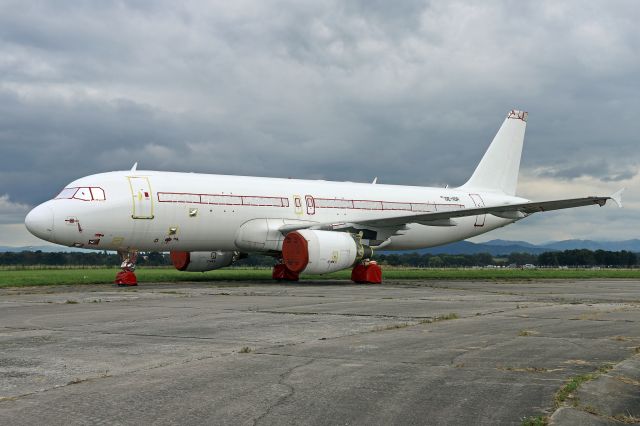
{"type": "Point", "coordinates": [167, 211]}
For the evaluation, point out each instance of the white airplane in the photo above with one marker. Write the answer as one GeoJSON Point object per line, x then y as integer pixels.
{"type": "Point", "coordinates": [310, 226]}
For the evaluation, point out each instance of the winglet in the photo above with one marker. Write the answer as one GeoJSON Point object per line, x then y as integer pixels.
{"type": "Point", "coordinates": [617, 197]}
{"type": "Point", "coordinates": [135, 167]}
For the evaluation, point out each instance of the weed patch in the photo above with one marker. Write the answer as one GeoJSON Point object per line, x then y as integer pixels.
{"type": "Point", "coordinates": [391, 326]}
{"type": "Point", "coordinates": [535, 421]}
{"type": "Point", "coordinates": [567, 392]}
{"type": "Point", "coordinates": [627, 419]}
{"type": "Point", "coordinates": [627, 380]}
{"type": "Point", "coordinates": [526, 369]}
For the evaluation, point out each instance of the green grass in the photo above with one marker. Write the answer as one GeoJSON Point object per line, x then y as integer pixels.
{"type": "Point", "coordinates": [566, 392]}
{"type": "Point", "coordinates": [26, 277]}
{"type": "Point", "coordinates": [571, 386]}
{"type": "Point", "coordinates": [535, 421]}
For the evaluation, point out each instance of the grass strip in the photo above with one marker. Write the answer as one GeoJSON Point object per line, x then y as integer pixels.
{"type": "Point", "coordinates": [30, 277]}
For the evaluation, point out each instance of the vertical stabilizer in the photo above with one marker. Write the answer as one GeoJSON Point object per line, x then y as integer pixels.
{"type": "Point", "coordinates": [498, 169]}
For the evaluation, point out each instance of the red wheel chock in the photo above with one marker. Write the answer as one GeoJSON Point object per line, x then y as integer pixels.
{"type": "Point", "coordinates": [367, 273]}
{"type": "Point", "coordinates": [126, 279]}
{"type": "Point", "coordinates": [282, 273]}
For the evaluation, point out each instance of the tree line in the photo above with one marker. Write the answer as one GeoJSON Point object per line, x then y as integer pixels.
{"type": "Point", "coordinates": [571, 258]}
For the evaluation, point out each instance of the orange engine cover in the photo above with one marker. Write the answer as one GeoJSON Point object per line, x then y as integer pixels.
{"type": "Point", "coordinates": [295, 252]}
{"type": "Point", "coordinates": [180, 259]}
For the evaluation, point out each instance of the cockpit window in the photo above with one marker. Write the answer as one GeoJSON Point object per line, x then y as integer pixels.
{"type": "Point", "coordinates": [66, 193]}
{"type": "Point", "coordinates": [84, 194]}
{"type": "Point", "coordinates": [98, 194]}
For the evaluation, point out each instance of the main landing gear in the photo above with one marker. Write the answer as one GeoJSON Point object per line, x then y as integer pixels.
{"type": "Point", "coordinates": [127, 277]}
{"type": "Point", "coordinates": [365, 272]}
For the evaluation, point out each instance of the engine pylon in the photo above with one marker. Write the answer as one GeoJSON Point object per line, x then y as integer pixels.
{"type": "Point", "coordinates": [367, 272]}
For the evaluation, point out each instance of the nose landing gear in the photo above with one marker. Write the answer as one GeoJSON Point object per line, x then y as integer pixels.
{"type": "Point", "coordinates": [127, 277]}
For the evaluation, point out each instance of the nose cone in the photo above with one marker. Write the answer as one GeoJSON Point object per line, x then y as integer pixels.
{"type": "Point", "coordinates": [39, 222]}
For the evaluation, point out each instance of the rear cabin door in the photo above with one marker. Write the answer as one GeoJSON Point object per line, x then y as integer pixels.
{"type": "Point", "coordinates": [479, 202]}
{"type": "Point", "coordinates": [142, 197]}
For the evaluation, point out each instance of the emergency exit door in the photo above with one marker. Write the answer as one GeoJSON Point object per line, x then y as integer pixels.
{"type": "Point", "coordinates": [142, 197]}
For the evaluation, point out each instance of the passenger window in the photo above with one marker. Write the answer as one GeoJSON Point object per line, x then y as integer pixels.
{"type": "Point", "coordinates": [83, 194]}
{"type": "Point", "coordinates": [66, 193]}
{"type": "Point", "coordinates": [98, 194]}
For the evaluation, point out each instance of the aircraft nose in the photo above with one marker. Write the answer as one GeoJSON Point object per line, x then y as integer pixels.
{"type": "Point", "coordinates": [39, 221]}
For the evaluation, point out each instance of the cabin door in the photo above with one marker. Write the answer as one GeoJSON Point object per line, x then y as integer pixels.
{"type": "Point", "coordinates": [478, 202]}
{"type": "Point", "coordinates": [142, 197]}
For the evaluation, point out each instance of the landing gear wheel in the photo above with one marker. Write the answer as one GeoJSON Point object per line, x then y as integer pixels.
{"type": "Point", "coordinates": [367, 272]}
{"type": "Point", "coordinates": [126, 277]}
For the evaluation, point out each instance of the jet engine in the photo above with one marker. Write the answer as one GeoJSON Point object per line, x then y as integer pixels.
{"type": "Point", "coordinates": [320, 252]}
{"type": "Point", "coordinates": [201, 261]}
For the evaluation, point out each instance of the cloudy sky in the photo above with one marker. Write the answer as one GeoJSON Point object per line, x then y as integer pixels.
{"type": "Point", "coordinates": [410, 91]}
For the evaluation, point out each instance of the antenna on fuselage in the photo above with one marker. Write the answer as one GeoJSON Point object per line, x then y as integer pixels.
{"type": "Point", "coordinates": [135, 167]}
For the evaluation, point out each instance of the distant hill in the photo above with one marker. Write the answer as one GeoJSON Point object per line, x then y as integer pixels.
{"type": "Point", "coordinates": [509, 243]}
{"type": "Point", "coordinates": [45, 249]}
{"type": "Point", "coordinates": [629, 245]}
{"type": "Point", "coordinates": [467, 247]}
{"type": "Point", "coordinates": [502, 247]}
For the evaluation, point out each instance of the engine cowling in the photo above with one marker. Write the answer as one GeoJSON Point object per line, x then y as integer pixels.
{"type": "Point", "coordinates": [320, 252]}
{"type": "Point", "coordinates": [201, 261]}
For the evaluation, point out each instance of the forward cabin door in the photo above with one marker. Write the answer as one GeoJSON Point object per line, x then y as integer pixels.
{"type": "Point", "coordinates": [142, 197]}
{"type": "Point", "coordinates": [479, 202]}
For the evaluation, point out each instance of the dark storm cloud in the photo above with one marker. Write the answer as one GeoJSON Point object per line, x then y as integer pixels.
{"type": "Point", "coordinates": [411, 92]}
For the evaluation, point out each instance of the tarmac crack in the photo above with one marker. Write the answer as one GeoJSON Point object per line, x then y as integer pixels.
{"type": "Point", "coordinates": [336, 314]}
{"type": "Point", "coordinates": [115, 376]}
{"type": "Point", "coordinates": [60, 330]}
{"type": "Point", "coordinates": [569, 319]}
{"type": "Point", "coordinates": [290, 391]}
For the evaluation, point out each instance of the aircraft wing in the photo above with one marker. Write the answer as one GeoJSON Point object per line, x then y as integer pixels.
{"type": "Point", "coordinates": [391, 225]}
{"type": "Point", "coordinates": [509, 211]}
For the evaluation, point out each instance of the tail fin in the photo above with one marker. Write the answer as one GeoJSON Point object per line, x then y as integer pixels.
{"type": "Point", "coordinates": [498, 169]}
